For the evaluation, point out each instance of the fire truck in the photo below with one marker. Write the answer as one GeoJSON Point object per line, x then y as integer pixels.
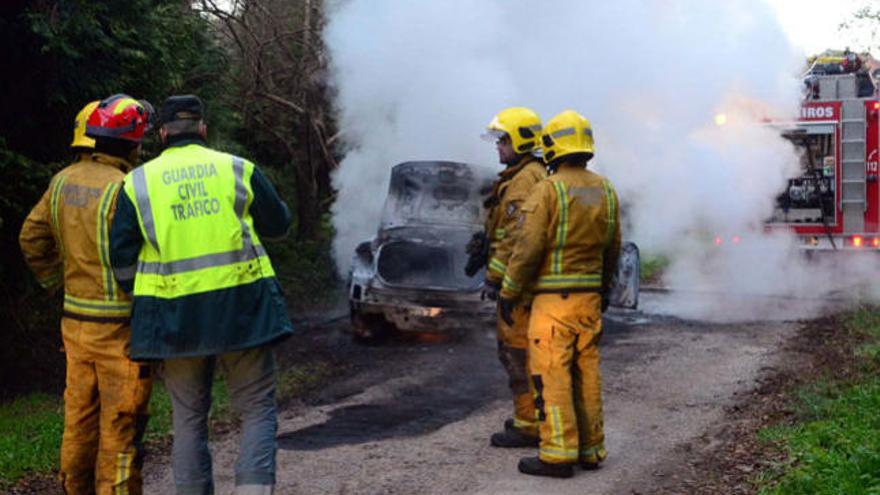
{"type": "Point", "coordinates": [834, 202]}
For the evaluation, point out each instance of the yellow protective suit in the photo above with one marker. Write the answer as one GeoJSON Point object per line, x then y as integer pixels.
{"type": "Point", "coordinates": [65, 241]}
{"type": "Point", "coordinates": [566, 253]}
{"type": "Point", "coordinates": [509, 193]}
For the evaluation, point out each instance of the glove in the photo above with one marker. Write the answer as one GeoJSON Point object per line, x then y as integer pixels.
{"type": "Point", "coordinates": [477, 250]}
{"type": "Point", "coordinates": [505, 309]}
{"type": "Point", "coordinates": [475, 245]}
{"type": "Point", "coordinates": [490, 290]}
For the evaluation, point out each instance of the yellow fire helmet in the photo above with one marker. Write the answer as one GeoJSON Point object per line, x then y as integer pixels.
{"type": "Point", "coordinates": [566, 134]}
{"type": "Point", "coordinates": [523, 126]}
{"type": "Point", "coordinates": [80, 140]}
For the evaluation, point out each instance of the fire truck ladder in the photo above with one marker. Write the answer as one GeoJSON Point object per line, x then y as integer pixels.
{"type": "Point", "coordinates": [853, 194]}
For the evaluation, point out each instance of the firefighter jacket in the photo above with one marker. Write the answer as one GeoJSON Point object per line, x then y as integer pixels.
{"type": "Point", "coordinates": [66, 238]}
{"type": "Point", "coordinates": [508, 194]}
{"type": "Point", "coordinates": [569, 239]}
{"type": "Point", "coordinates": [187, 241]}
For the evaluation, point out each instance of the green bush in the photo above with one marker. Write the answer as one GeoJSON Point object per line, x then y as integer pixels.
{"type": "Point", "coordinates": [651, 267]}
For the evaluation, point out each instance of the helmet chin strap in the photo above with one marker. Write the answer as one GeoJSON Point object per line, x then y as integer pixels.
{"type": "Point", "coordinates": [579, 160]}
{"type": "Point", "coordinates": [515, 160]}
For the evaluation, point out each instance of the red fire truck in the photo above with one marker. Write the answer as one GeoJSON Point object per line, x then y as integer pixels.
{"type": "Point", "coordinates": [834, 203]}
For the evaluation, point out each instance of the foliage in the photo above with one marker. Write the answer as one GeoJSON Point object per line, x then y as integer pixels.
{"type": "Point", "coordinates": [835, 446]}
{"type": "Point", "coordinates": [66, 53]}
{"type": "Point", "coordinates": [652, 267]}
{"type": "Point", "coordinates": [864, 25]}
{"type": "Point", "coordinates": [281, 95]}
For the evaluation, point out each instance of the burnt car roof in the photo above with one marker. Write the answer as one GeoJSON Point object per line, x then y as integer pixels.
{"type": "Point", "coordinates": [435, 193]}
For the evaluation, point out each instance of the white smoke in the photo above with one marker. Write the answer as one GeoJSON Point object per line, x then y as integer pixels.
{"type": "Point", "coordinates": [420, 80]}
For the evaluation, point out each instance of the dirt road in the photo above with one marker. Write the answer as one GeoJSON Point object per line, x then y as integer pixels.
{"type": "Point", "coordinates": [412, 418]}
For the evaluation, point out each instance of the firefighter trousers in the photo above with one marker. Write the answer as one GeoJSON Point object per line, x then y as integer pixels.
{"type": "Point", "coordinates": [564, 332]}
{"type": "Point", "coordinates": [512, 351]}
{"type": "Point", "coordinates": [105, 410]}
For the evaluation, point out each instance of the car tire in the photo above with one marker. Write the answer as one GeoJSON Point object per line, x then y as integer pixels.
{"type": "Point", "coordinates": [369, 329]}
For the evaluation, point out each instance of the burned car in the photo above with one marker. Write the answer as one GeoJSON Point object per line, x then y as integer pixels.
{"type": "Point", "coordinates": [412, 272]}
{"type": "Point", "coordinates": [411, 275]}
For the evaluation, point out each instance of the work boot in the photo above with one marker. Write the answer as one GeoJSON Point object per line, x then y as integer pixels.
{"type": "Point", "coordinates": [512, 439]}
{"type": "Point", "coordinates": [508, 424]}
{"type": "Point", "coordinates": [589, 466]}
{"type": "Point", "coordinates": [537, 467]}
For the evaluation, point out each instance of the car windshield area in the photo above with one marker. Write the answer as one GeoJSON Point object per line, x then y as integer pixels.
{"type": "Point", "coordinates": [436, 193]}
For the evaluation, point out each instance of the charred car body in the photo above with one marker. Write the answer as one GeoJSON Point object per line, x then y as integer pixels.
{"type": "Point", "coordinates": [413, 271]}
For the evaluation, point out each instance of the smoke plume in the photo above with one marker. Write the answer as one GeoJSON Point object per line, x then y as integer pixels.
{"type": "Point", "coordinates": [420, 80]}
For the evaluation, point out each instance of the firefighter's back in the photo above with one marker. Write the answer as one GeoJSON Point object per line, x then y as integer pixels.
{"type": "Point", "coordinates": [81, 203]}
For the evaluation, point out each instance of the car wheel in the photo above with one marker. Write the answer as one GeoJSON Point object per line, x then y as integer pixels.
{"type": "Point", "coordinates": [369, 329]}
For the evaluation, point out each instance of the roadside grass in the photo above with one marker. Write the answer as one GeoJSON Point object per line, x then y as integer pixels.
{"type": "Point", "coordinates": [300, 378]}
{"type": "Point", "coordinates": [651, 268]}
{"type": "Point", "coordinates": [30, 436]}
{"type": "Point", "coordinates": [31, 426]}
{"type": "Point", "coordinates": [834, 447]}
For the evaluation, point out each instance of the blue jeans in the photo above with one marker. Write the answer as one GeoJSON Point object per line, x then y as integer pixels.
{"type": "Point", "coordinates": [250, 378]}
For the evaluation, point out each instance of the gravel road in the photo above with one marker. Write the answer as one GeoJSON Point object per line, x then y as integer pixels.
{"type": "Point", "coordinates": [415, 418]}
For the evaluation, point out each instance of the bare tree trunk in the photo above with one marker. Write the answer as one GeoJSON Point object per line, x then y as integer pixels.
{"type": "Point", "coordinates": [280, 89]}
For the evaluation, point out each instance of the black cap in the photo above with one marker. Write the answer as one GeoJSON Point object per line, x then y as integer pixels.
{"type": "Point", "coordinates": [182, 107]}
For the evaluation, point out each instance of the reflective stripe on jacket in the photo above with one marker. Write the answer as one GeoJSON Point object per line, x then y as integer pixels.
{"type": "Point", "coordinates": [186, 239]}
{"type": "Point", "coordinates": [509, 193]}
{"type": "Point", "coordinates": [192, 206]}
{"type": "Point", "coordinates": [569, 238]}
{"type": "Point", "coordinates": [66, 238]}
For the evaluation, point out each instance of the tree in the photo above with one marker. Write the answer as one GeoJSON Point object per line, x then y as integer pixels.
{"type": "Point", "coordinates": [59, 55]}
{"type": "Point", "coordinates": [279, 60]}
{"type": "Point", "coordinates": [864, 26]}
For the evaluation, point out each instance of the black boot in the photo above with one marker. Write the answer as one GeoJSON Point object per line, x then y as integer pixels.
{"type": "Point", "coordinates": [589, 466]}
{"type": "Point", "coordinates": [512, 439]}
{"type": "Point", "coordinates": [537, 467]}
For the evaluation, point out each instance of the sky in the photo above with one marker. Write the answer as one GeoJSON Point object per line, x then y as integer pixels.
{"type": "Point", "coordinates": [813, 25]}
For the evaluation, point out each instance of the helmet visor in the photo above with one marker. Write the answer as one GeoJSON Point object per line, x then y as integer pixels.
{"type": "Point", "coordinates": [493, 135]}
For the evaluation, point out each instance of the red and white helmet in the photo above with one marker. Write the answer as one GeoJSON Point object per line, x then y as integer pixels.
{"type": "Point", "coordinates": [119, 117]}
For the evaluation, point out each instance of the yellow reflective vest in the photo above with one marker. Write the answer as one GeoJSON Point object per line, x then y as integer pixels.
{"type": "Point", "coordinates": [192, 207]}
{"type": "Point", "coordinates": [568, 238]}
{"type": "Point", "coordinates": [508, 194]}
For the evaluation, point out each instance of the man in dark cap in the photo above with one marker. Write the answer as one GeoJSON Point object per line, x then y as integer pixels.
{"type": "Point", "coordinates": [186, 242]}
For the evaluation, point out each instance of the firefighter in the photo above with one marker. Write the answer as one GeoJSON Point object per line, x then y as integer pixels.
{"type": "Point", "coordinates": [565, 253]}
{"type": "Point", "coordinates": [65, 241]}
{"type": "Point", "coordinates": [186, 240]}
{"type": "Point", "coordinates": [516, 132]}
